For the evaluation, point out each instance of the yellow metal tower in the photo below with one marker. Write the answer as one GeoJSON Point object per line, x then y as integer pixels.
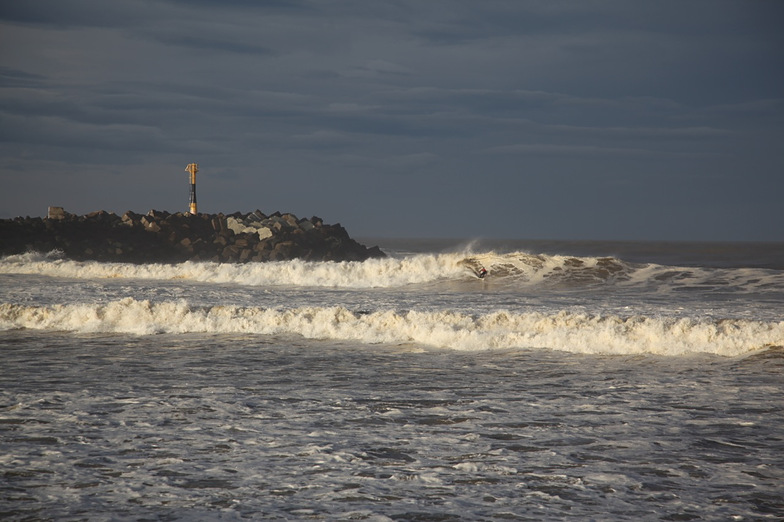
{"type": "Point", "coordinates": [193, 169]}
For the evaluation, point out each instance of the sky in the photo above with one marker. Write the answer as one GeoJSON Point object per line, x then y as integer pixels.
{"type": "Point", "coordinates": [547, 119]}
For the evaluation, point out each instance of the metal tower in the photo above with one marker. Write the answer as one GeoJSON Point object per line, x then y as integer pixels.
{"type": "Point", "coordinates": [193, 168]}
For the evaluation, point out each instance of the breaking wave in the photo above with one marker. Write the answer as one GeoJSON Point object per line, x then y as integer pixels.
{"type": "Point", "coordinates": [374, 273]}
{"type": "Point", "coordinates": [579, 333]}
{"type": "Point", "coordinates": [514, 271]}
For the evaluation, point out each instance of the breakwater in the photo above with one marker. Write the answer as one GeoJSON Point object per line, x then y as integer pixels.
{"type": "Point", "coordinates": [163, 237]}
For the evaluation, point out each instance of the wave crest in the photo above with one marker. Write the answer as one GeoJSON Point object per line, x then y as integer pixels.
{"type": "Point", "coordinates": [508, 271]}
{"type": "Point", "coordinates": [577, 333]}
{"type": "Point", "coordinates": [373, 273]}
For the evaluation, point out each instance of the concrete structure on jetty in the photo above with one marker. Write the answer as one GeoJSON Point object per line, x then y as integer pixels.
{"type": "Point", "coordinates": [162, 237]}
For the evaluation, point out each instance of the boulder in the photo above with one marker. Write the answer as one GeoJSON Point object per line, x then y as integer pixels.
{"type": "Point", "coordinates": [163, 237]}
{"type": "Point", "coordinates": [56, 213]}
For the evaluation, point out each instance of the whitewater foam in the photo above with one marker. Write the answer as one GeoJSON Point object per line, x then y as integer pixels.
{"type": "Point", "coordinates": [373, 273]}
{"type": "Point", "coordinates": [512, 271]}
{"type": "Point", "coordinates": [499, 330]}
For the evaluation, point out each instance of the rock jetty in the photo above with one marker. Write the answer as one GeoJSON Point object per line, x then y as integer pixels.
{"type": "Point", "coordinates": [163, 237]}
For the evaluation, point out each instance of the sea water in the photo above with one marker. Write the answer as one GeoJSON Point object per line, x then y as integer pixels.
{"type": "Point", "coordinates": [581, 380]}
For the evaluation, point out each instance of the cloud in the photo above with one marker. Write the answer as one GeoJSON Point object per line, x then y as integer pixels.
{"type": "Point", "coordinates": [381, 67]}
{"type": "Point", "coordinates": [74, 13]}
{"type": "Point", "coordinates": [205, 43]}
{"type": "Point", "coordinates": [570, 150]}
{"type": "Point", "coordinates": [323, 138]}
{"type": "Point", "coordinates": [364, 93]}
{"type": "Point", "coordinates": [643, 132]}
{"type": "Point", "coordinates": [14, 79]}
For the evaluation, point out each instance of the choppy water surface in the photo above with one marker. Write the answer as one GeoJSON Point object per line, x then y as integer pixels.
{"type": "Point", "coordinates": [558, 387]}
{"type": "Point", "coordinates": [231, 427]}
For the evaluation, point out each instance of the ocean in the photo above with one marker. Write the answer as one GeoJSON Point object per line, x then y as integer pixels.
{"type": "Point", "coordinates": [576, 380]}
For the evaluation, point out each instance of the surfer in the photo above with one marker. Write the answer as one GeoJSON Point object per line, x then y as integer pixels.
{"type": "Point", "coordinates": [481, 273]}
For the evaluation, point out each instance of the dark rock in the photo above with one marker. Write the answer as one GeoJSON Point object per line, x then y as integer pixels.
{"type": "Point", "coordinates": [162, 237]}
{"type": "Point", "coordinates": [56, 213]}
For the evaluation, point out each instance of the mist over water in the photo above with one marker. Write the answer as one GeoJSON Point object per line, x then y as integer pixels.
{"type": "Point", "coordinates": [574, 380]}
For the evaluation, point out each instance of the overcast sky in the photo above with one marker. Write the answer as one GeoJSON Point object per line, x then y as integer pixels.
{"type": "Point", "coordinates": [660, 120]}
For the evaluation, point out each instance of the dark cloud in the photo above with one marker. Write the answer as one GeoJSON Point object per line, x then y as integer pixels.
{"type": "Point", "coordinates": [211, 45]}
{"type": "Point", "coordinates": [597, 119]}
{"type": "Point", "coordinates": [74, 13]}
{"type": "Point", "coordinates": [14, 79]}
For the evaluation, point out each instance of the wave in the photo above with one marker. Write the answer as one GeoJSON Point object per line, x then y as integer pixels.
{"type": "Point", "coordinates": [579, 333]}
{"type": "Point", "coordinates": [568, 272]}
{"type": "Point", "coordinates": [512, 271]}
{"type": "Point", "coordinates": [373, 273]}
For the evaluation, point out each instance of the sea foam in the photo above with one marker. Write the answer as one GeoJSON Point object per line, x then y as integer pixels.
{"type": "Point", "coordinates": [373, 273]}
{"type": "Point", "coordinates": [508, 271]}
{"type": "Point", "coordinates": [500, 330]}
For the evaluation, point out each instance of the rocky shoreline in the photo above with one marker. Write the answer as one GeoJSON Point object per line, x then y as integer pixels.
{"type": "Point", "coordinates": [163, 237]}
